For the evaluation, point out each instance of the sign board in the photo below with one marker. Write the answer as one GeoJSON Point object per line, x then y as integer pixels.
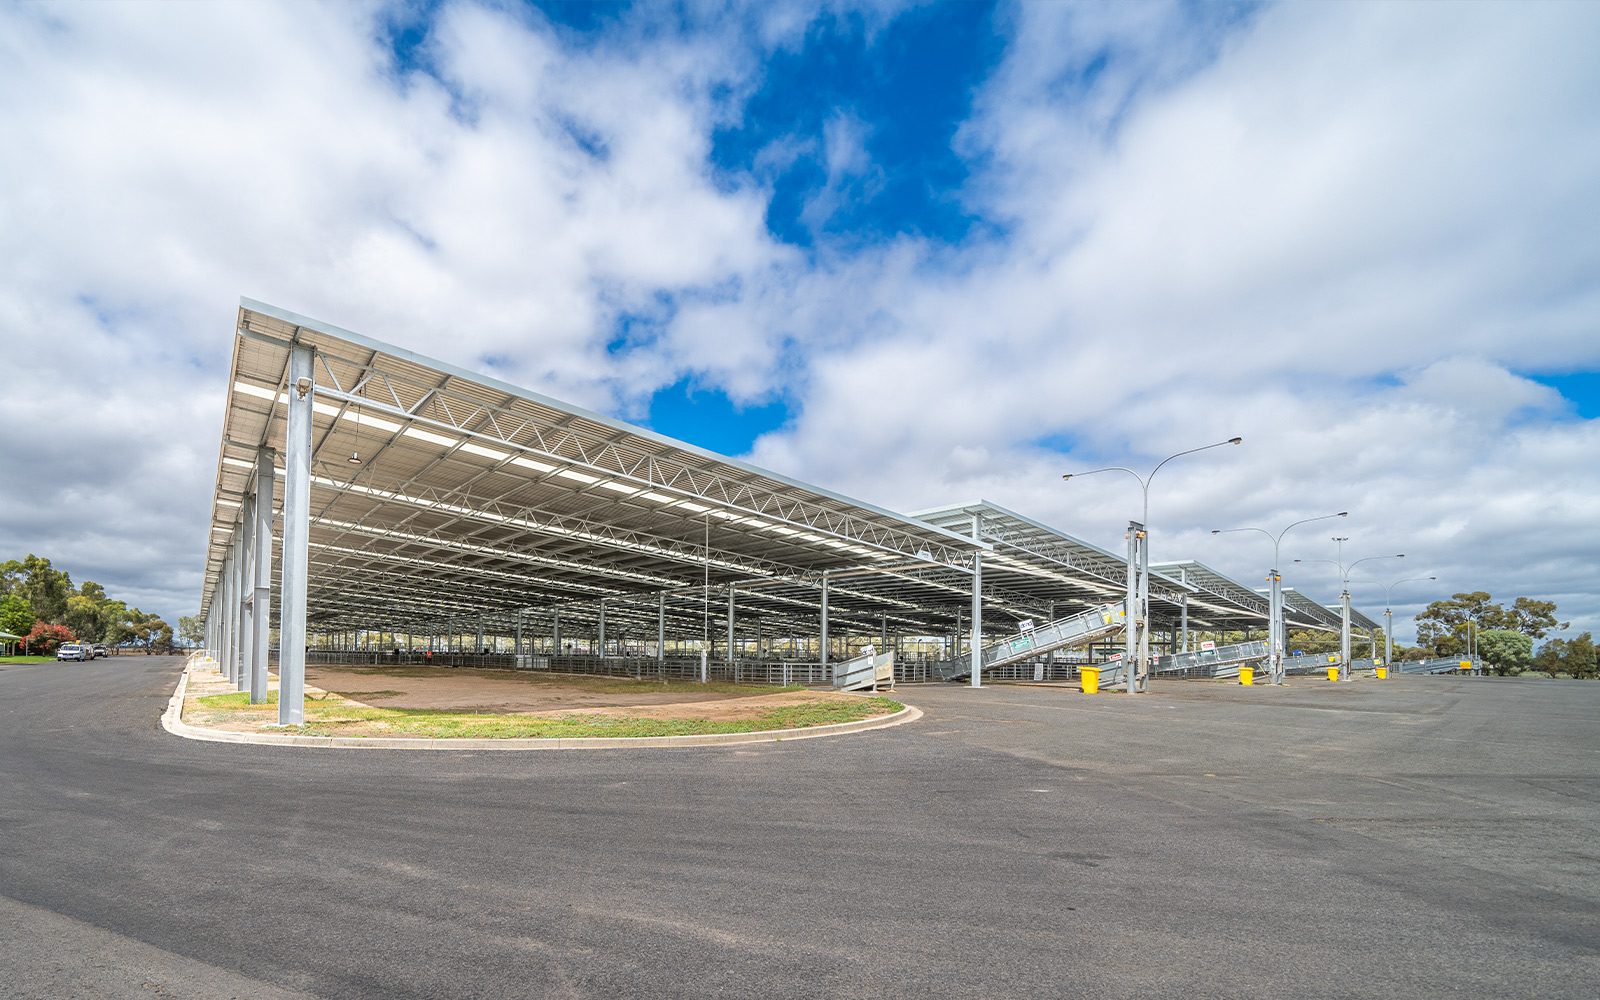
{"type": "Point", "coordinates": [1026, 625]}
{"type": "Point", "coordinates": [1116, 656]}
{"type": "Point", "coordinates": [1299, 652]}
{"type": "Point", "coordinates": [1208, 644]}
{"type": "Point", "coordinates": [1038, 671]}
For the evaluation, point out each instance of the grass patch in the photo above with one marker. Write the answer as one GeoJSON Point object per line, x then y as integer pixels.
{"type": "Point", "coordinates": [30, 659]}
{"type": "Point", "coordinates": [331, 715]}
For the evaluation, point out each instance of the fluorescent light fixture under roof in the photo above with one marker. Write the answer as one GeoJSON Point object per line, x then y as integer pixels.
{"type": "Point", "coordinates": [618, 487]}
{"type": "Point", "coordinates": [582, 477]}
{"type": "Point", "coordinates": [227, 503]}
{"type": "Point", "coordinates": [241, 463]}
{"type": "Point", "coordinates": [752, 522]}
{"type": "Point", "coordinates": [429, 436]}
{"type": "Point", "coordinates": [478, 449]}
{"type": "Point", "coordinates": [698, 508]}
{"type": "Point", "coordinates": [368, 420]}
{"type": "Point", "coordinates": [810, 537]}
{"type": "Point", "coordinates": [254, 390]}
{"type": "Point", "coordinates": [780, 529]}
{"type": "Point", "coordinates": [658, 497]}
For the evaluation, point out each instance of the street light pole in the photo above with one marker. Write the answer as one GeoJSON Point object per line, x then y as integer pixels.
{"type": "Point", "coordinates": [1344, 599]}
{"type": "Point", "coordinates": [1276, 637]}
{"type": "Point", "coordinates": [1139, 613]}
{"type": "Point", "coordinates": [1388, 619]}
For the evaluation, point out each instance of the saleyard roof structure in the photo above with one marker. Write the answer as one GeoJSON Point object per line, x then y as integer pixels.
{"type": "Point", "coordinates": [438, 500]}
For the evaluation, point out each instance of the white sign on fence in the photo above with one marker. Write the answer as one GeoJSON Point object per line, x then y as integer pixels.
{"type": "Point", "coordinates": [1208, 644]}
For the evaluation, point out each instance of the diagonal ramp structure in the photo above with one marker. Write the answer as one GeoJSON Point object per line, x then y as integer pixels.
{"type": "Point", "coordinates": [1075, 631]}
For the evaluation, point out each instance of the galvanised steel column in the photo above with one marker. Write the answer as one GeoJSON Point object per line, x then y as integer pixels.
{"type": "Point", "coordinates": [296, 539]}
{"type": "Point", "coordinates": [977, 605]}
{"type": "Point", "coordinates": [1183, 610]}
{"type": "Point", "coordinates": [977, 617]}
{"type": "Point", "coordinates": [602, 627]}
{"type": "Point", "coordinates": [1130, 612]}
{"type": "Point", "coordinates": [1144, 608]}
{"type": "Point", "coordinates": [265, 476]}
{"type": "Point", "coordinates": [824, 656]}
{"type": "Point", "coordinates": [730, 624]}
{"type": "Point", "coordinates": [479, 646]}
{"type": "Point", "coordinates": [661, 627]}
{"type": "Point", "coordinates": [235, 604]}
{"type": "Point", "coordinates": [516, 648]}
{"type": "Point", "coordinates": [225, 595]}
{"type": "Point", "coordinates": [1388, 640]}
{"type": "Point", "coordinates": [1276, 637]}
{"type": "Point", "coordinates": [1344, 635]}
{"type": "Point", "coordinates": [247, 594]}
{"type": "Point", "coordinates": [555, 633]}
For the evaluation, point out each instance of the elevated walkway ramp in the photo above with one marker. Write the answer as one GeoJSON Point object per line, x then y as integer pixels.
{"type": "Point", "coordinates": [869, 671]}
{"type": "Point", "coordinates": [1223, 661]}
{"type": "Point", "coordinates": [1066, 632]}
{"type": "Point", "coordinates": [1441, 665]}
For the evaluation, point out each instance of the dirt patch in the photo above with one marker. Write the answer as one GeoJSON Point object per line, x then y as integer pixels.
{"type": "Point", "coordinates": [364, 701]}
{"type": "Point", "coordinates": [506, 692]}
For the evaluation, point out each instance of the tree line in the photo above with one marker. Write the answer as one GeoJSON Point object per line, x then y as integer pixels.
{"type": "Point", "coordinates": [39, 603]}
{"type": "Point", "coordinates": [1504, 636]}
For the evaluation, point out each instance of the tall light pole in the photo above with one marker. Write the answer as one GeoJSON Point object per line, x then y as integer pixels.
{"type": "Point", "coordinates": [1344, 599]}
{"type": "Point", "coordinates": [1276, 639]}
{"type": "Point", "coordinates": [1388, 619]}
{"type": "Point", "coordinates": [1139, 614]}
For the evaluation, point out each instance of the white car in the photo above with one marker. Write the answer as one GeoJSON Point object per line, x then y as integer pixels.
{"type": "Point", "coordinates": [74, 651]}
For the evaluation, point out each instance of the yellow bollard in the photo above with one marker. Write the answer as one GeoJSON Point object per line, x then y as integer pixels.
{"type": "Point", "coordinates": [1089, 679]}
{"type": "Point", "coordinates": [1383, 672]}
{"type": "Point", "coordinates": [1247, 676]}
{"type": "Point", "coordinates": [1333, 673]}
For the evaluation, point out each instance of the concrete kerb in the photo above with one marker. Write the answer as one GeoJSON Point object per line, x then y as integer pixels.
{"type": "Point", "coordinates": [172, 722]}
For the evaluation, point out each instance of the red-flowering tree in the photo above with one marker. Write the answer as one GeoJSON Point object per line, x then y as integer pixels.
{"type": "Point", "coordinates": [45, 639]}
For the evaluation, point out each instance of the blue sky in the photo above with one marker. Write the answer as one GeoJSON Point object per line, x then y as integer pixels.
{"type": "Point", "coordinates": [914, 253]}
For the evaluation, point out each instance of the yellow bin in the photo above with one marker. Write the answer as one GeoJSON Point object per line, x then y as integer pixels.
{"type": "Point", "coordinates": [1247, 676]}
{"type": "Point", "coordinates": [1333, 673]}
{"type": "Point", "coordinates": [1089, 678]}
{"type": "Point", "coordinates": [1383, 672]}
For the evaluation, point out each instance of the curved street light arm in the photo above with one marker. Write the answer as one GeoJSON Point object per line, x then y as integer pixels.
{"type": "Point", "coordinates": [1324, 517]}
{"type": "Point", "coordinates": [1191, 451]}
{"type": "Point", "coordinates": [1111, 468]}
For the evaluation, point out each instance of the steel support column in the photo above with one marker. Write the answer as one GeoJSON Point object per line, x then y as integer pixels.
{"type": "Point", "coordinates": [824, 656]}
{"type": "Point", "coordinates": [262, 628]}
{"type": "Point", "coordinates": [296, 540]}
{"type": "Point", "coordinates": [977, 618]}
{"type": "Point", "coordinates": [602, 634]}
{"type": "Point", "coordinates": [1276, 638]}
{"type": "Point", "coordinates": [730, 624]}
{"type": "Point", "coordinates": [1130, 610]}
{"type": "Point", "coordinates": [1344, 635]}
{"type": "Point", "coordinates": [247, 594]}
{"type": "Point", "coordinates": [1183, 608]}
{"type": "Point", "coordinates": [661, 627]}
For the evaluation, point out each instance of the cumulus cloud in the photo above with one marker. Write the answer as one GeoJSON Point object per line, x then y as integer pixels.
{"type": "Point", "coordinates": [1346, 233]}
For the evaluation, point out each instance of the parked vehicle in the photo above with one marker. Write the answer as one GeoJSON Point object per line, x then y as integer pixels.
{"type": "Point", "coordinates": [74, 651]}
{"type": "Point", "coordinates": [99, 649]}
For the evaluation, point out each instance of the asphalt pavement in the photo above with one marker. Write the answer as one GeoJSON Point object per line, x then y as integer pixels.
{"type": "Point", "coordinates": [1423, 837]}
